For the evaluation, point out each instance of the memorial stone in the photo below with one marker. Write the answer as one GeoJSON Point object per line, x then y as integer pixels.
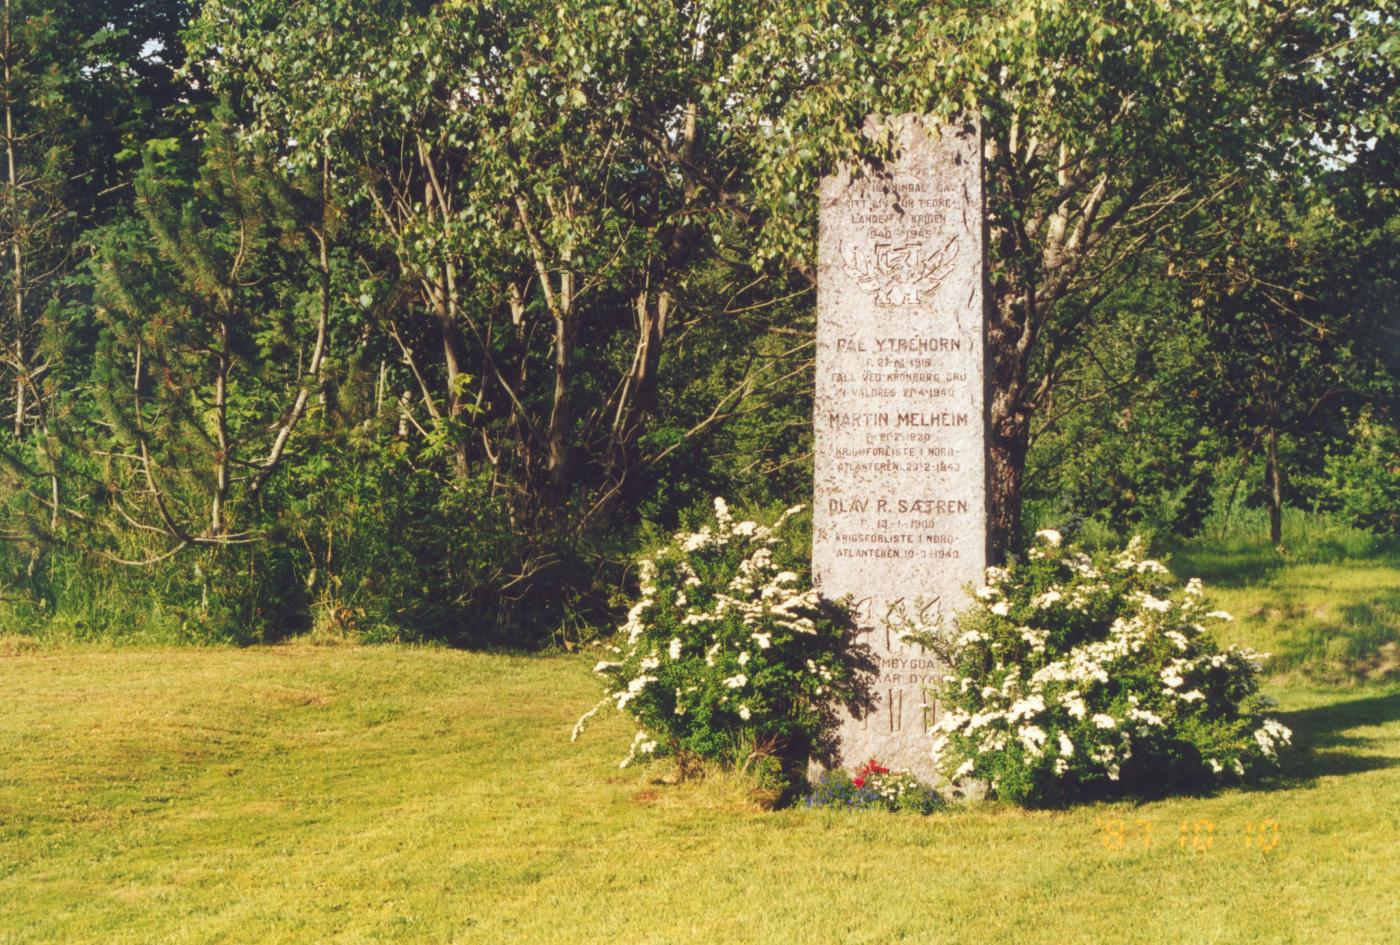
{"type": "Point", "coordinates": [900, 513]}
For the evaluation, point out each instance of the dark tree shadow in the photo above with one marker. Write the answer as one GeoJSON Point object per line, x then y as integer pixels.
{"type": "Point", "coordinates": [1236, 564]}
{"type": "Point", "coordinates": [1322, 746]}
{"type": "Point", "coordinates": [862, 670]}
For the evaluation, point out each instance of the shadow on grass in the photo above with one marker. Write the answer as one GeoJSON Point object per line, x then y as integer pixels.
{"type": "Point", "coordinates": [1322, 746]}
{"type": "Point", "coordinates": [1362, 642]}
{"type": "Point", "coordinates": [1219, 567]}
{"type": "Point", "coordinates": [1239, 566]}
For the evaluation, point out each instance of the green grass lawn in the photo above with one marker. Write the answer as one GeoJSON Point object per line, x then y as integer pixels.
{"type": "Point", "coordinates": [392, 794]}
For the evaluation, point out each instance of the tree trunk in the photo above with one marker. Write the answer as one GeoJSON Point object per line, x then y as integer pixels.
{"type": "Point", "coordinates": [560, 416]}
{"type": "Point", "coordinates": [1008, 418]}
{"type": "Point", "coordinates": [447, 334]}
{"type": "Point", "coordinates": [16, 238]}
{"type": "Point", "coordinates": [312, 377]}
{"type": "Point", "coordinates": [1006, 464]}
{"type": "Point", "coordinates": [224, 457]}
{"type": "Point", "coordinates": [558, 435]}
{"type": "Point", "coordinates": [1275, 490]}
{"type": "Point", "coordinates": [639, 389]}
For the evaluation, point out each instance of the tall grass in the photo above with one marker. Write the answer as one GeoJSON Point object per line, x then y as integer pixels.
{"type": "Point", "coordinates": [75, 599]}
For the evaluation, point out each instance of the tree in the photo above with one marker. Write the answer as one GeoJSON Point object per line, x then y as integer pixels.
{"type": "Point", "coordinates": [1109, 127]}
{"type": "Point", "coordinates": [197, 352]}
{"type": "Point", "coordinates": [37, 229]}
{"type": "Point", "coordinates": [544, 178]}
{"type": "Point", "coordinates": [1292, 298]}
{"type": "Point", "coordinates": [1126, 436]}
{"type": "Point", "coordinates": [81, 85]}
{"type": "Point", "coordinates": [542, 271]}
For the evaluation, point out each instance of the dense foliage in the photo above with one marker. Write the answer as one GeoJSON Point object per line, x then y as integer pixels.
{"type": "Point", "coordinates": [1363, 481]}
{"type": "Point", "coordinates": [412, 319]}
{"type": "Point", "coordinates": [1078, 674]}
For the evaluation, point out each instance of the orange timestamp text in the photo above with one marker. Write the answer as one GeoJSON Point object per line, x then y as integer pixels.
{"type": "Point", "coordinates": [1194, 834]}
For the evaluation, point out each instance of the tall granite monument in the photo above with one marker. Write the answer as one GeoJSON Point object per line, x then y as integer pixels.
{"type": "Point", "coordinates": [901, 498]}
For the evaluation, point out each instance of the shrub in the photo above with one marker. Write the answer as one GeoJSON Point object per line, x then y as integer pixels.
{"type": "Point", "coordinates": [1076, 675]}
{"type": "Point", "coordinates": [391, 546]}
{"type": "Point", "coordinates": [728, 652]}
{"type": "Point", "coordinates": [873, 786]}
{"type": "Point", "coordinates": [1364, 483]}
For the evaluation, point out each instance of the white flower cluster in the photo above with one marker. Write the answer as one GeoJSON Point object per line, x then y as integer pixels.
{"type": "Point", "coordinates": [1018, 694]}
{"type": "Point", "coordinates": [894, 787]}
{"type": "Point", "coordinates": [736, 627]}
{"type": "Point", "coordinates": [1270, 735]}
{"type": "Point", "coordinates": [1041, 714]}
{"type": "Point", "coordinates": [642, 744]}
{"type": "Point", "coordinates": [1076, 597]}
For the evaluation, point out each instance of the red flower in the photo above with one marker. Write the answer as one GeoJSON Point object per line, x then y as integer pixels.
{"type": "Point", "coordinates": [872, 767]}
{"type": "Point", "coordinates": [858, 781]}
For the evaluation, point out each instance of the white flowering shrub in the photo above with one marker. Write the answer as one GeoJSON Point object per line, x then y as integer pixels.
{"type": "Point", "coordinates": [727, 647]}
{"type": "Point", "coordinates": [1076, 675]}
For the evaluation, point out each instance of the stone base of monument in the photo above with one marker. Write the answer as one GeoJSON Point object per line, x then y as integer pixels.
{"type": "Point", "coordinates": [967, 791]}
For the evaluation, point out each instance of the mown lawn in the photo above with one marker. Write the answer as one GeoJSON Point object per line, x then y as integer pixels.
{"type": "Point", "coordinates": [393, 794]}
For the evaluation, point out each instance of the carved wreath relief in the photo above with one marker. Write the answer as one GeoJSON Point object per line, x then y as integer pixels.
{"type": "Point", "coordinates": [898, 273]}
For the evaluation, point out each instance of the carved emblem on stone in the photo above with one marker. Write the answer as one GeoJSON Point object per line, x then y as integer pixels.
{"type": "Point", "coordinates": [898, 273]}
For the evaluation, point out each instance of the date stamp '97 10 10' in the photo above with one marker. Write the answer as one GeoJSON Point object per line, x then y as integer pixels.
{"type": "Point", "coordinates": [1194, 834]}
